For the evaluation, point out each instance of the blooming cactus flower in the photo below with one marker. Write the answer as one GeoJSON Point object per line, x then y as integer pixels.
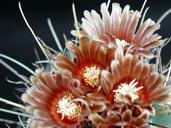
{"type": "Point", "coordinates": [131, 77]}
{"type": "Point", "coordinates": [51, 101]}
{"type": "Point", "coordinates": [90, 59]}
{"type": "Point", "coordinates": [120, 24]}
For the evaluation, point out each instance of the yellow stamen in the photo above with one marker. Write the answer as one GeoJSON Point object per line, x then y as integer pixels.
{"type": "Point", "coordinates": [127, 90]}
{"type": "Point", "coordinates": [68, 108]}
{"type": "Point", "coordinates": [92, 76]}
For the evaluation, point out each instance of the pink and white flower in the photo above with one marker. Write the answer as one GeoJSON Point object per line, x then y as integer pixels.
{"type": "Point", "coordinates": [120, 24]}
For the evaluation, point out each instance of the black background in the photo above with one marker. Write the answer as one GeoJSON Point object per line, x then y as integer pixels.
{"type": "Point", "coordinates": [16, 40]}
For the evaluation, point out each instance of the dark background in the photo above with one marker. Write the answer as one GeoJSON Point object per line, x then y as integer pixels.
{"type": "Point", "coordinates": [16, 40]}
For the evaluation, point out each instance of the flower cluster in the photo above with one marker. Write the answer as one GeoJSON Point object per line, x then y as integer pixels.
{"type": "Point", "coordinates": [104, 79]}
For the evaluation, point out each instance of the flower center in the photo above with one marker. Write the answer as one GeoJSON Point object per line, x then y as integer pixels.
{"type": "Point", "coordinates": [91, 76]}
{"type": "Point", "coordinates": [119, 43]}
{"type": "Point", "coordinates": [127, 89]}
{"type": "Point", "coordinates": [68, 108]}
